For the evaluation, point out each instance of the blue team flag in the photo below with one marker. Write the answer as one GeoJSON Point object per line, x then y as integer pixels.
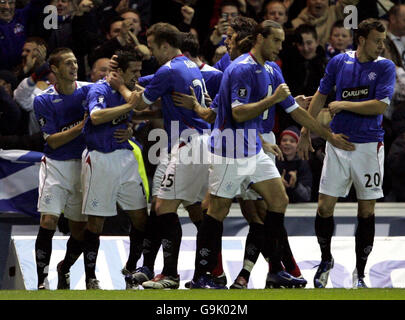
{"type": "Point", "coordinates": [19, 171]}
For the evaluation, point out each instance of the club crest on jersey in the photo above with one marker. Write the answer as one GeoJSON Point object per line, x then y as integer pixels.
{"type": "Point", "coordinates": [42, 121]}
{"type": "Point", "coordinates": [372, 76]}
{"type": "Point", "coordinates": [100, 99]}
{"type": "Point", "coordinates": [355, 93]}
{"type": "Point", "coordinates": [242, 92]}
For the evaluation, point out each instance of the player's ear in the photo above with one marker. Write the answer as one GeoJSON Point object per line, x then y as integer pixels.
{"type": "Point", "coordinates": [54, 68]}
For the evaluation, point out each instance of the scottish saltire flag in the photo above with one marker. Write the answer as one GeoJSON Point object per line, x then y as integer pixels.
{"type": "Point", "coordinates": [19, 171]}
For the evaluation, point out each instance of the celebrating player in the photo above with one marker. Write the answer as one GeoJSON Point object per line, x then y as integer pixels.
{"type": "Point", "coordinates": [364, 87]}
{"type": "Point", "coordinates": [246, 92]}
{"type": "Point", "coordinates": [177, 73]}
{"type": "Point", "coordinates": [60, 113]}
{"type": "Point", "coordinates": [107, 157]}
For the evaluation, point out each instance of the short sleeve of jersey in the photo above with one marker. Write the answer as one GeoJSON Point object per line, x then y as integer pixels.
{"type": "Point", "coordinates": [96, 98]}
{"type": "Point", "coordinates": [241, 87]}
{"type": "Point", "coordinates": [214, 104]}
{"type": "Point", "coordinates": [158, 86]}
{"type": "Point", "coordinates": [289, 104]}
{"type": "Point", "coordinates": [386, 82]}
{"type": "Point", "coordinates": [144, 81]}
{"type": "Point", "coordinates": [329, 79]}
{"type": "Point", "coordinates": [45, 115]}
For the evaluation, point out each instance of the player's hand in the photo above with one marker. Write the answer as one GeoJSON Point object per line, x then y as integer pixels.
{"type": "Point", "coordinates": [339, 140]}
{"type": "Point", "coordinates": [281, 93]}
{"type": "Point", "coordinates": [113, 64]}
{"type": "Point", "coordinates": [184, 100]}
{"type": "Point", "coordinates": [207, 99]}
{"type": "Point", "coordinates": [335, 107]}
{"type": "Point", "coordinates": [304, 146]}
{"type": "Point", "coordinates": [115, 80]}
{"type": "Point", "coordinates": [274, 149]}
{"type": "Point", "coordinates": [293, 178]}
{"type": "Point", "coordinates": [135, 98]}
{"type": "Point", "coordinates": [122, 135]}
{"type": "Point", "coordinates": [303, 101]}
{"type": "Point", "coordinates": [83, 122]}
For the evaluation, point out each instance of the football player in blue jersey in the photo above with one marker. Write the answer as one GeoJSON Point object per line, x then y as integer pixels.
{"type": "Point", "coordinates": [60, 113]}
{"type": "Point", "coordinates": [109, 157]}
{"type": "Point", "coordinates": [239, 41]}
{"type": "Point", "coordinates": [249, 87]}
{"type": "Point", "coordinates": [364, 86]}
{"type": "Point", "coordinates": [177, 73]}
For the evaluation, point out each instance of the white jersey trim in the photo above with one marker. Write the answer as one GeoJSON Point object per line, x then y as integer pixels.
{"type": "Point", "coordinates": [386, 100]}
{"type": "Point", "coordinates": [146, 100]}
{"type": "Point", "coordinates": [236, 103]}
{"type": "Point", "coordinates": [292, 108]}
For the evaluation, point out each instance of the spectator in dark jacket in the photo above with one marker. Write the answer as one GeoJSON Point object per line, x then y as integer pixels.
{"type": "Point", "coordinates": [13, 128]}
{"type": "Point", "coordinates": [295, 173]}
{"type": "Point", "coordinates": [395, 169]}
{"type": "Point", "coordinates": [13, 29]}
{"type": "Point", "coordinates": [304, 65]}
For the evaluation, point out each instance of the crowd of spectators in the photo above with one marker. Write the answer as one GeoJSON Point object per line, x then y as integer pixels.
{"type": "Point", "coordinates": [95, 29]}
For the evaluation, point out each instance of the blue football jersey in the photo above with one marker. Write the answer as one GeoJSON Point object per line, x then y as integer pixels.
{"type": "Point", "coordinates": [177, 75]}
{"type": "Point", "coordinates": [223, 63]}
{"type": "Point", "coordinates": [244, 81]}
{"type": "Point", "coordinates": [212, 78]}
{"type": "Point", "coordinates": [357, 81]}
{"type": "Point", "coordinates": [57, 112]}
{"type": "Point", "coordinates": [268, 117]}
{"type": "Point", "coordinates": [101, 137]}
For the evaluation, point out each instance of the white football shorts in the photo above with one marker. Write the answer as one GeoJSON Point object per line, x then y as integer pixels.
{"type": "Point", "coordinates": [247, 193]}
{"type": "Point", "coordinates": [60, 188]}
{"type": "Point", "coordinates": [228, 176]}
{"type": "Point", "coordinates": [186, 175]}
{"type": "Point", "coordinates": [111, 178]}
{"type": "Point", "coordinates": [363, 167]}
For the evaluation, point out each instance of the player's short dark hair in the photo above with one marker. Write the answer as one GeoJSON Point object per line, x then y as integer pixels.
{"type": "Point", "coordinates": [55, 56]}
{"type": "Point", "coordinates": [305, 28]}
{"type": "Point", "coordinates": [265, 28]}
{"type": "Point", "coordinates": [366, 26]}
{"type": "Point", "coordinates": [165, 32]}
{"type": "Point", "coordinates": [245, 28]}
{"type": "Point", "coordinates": [190, 44]}
{"type": "Point", "coordinates": [125, 57]}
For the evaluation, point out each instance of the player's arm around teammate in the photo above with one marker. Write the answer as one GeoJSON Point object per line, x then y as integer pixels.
{"type": "Point", "coordinates": [61, 116]}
